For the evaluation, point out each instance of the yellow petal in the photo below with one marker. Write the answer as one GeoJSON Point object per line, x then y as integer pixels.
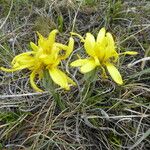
{"type": "Point", "coordinates": [79, 62]}
{"type": "Point", "coordinates": [101, 43]}
{"type": "Point", "coordinates": [89, 44]}
{"type": "Point", "coordinates": [48, 59]}
{"type": "Point", "coordinates": [76, 34]}
{"type": "Point", "coordinates": [56, 63]}
{"type": "Point", "coordinates": [59, 78]}
{"type": "Point", "coordinates": [70, 80]}
{"type": "Point", "coordinates": [40, 40]}
{"type": "Point", "coordinates": [70, 48]}
{"type": "Point", "coordinates": [110, 48]}
{"type": "Point", "coordinates": [101, 35]}
{"type": "Point", "coordinates": [22, 61]}
{"type": "Point", "coordinates": [110, 39]}
{"type": "Point", "coordinates": [18, 67]}
{"type": "Point", "coordinates": [24, 56]}
{"type": "Point", "coordinates": [55, 51]}
{"type": "Point", "coordinates": [114, 73]}
{"type": "Point", "coordinates": [100, 49]}
{"type": "Point", "coordinates": [61, 46]}
{"type": "Point", "coordinates": [130, 53]}
{"type": "Point", "coordinates": [90, 65]}
{"type": "Point", "coordinates": [34, 46]}
{"type": "Point", "coordinates": [34, 86]}
{"type": "Point", "coordinates": [52, 36]}
{"type": "Point", "coordinates": [104, 75]}
{"type": "Point", "coordinates": [11, 69]}
{"type": "Point", "coordinates": [96, 61]}
{"type": "Point", "coordinates": [40, 35]}
{"type": "Point", "coordinates": [6, 69]}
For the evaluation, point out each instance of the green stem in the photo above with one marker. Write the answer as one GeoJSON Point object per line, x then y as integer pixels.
{"type": "Point", "coordinates": [49, 85]}
{"type": "Point", "coordinates": [57, 99]}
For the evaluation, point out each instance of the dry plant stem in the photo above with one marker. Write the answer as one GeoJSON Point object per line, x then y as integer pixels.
{"type": "Point", "coordinates": [140, 60]}
{"type": "Point", "coordinates": [146, 54]}
{"type": "Point", "coordinates": [135, 33]}
{"type": "Point", "coordinates": [7, 15]}
{"type": "Point", "coordinates": [22, 95]}
{"type": "Point", "coordinates": [118, 117]}
{"type": "Point", "coordinates": [75, 17]}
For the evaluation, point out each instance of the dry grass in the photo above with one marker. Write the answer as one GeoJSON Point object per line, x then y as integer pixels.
{"type": "Point", "coordinates": [99, 114]}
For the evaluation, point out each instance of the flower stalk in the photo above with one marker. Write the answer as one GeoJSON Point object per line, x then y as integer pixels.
{"type": "Point", "coordinates": [50, 86]}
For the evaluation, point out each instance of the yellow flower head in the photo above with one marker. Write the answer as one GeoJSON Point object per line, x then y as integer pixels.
{"type": "Point", "coordinates": [102, 53]}
{"type": "Point", "coordinates": [46, 55]}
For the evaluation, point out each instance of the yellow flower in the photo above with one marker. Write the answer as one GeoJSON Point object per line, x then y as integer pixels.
{"type": "Point", "coordinates": [46, 55]}
{"type": "Point", "coordinates": [102, 54]}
